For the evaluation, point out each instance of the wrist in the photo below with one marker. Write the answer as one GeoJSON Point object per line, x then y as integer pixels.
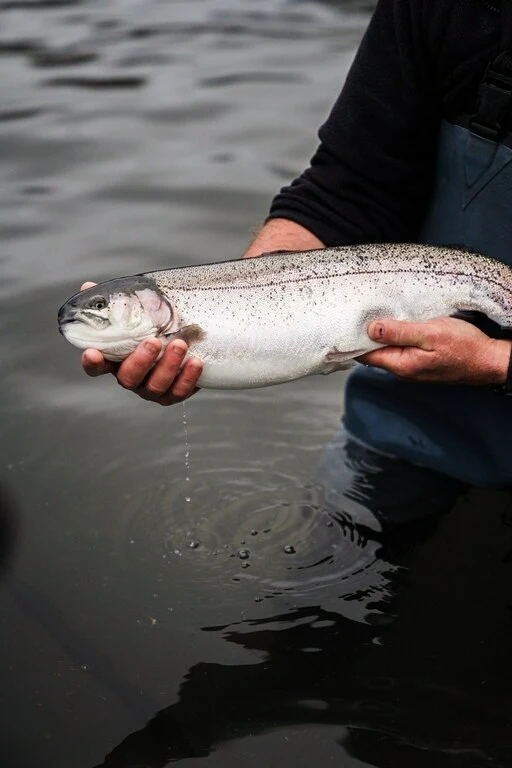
{"type": "Point", "coordinates": [282, 235]}
{"type": "Point", "coordinates": [501, 361]}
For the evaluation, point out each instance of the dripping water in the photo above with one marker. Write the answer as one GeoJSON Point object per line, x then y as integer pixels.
{"type": "Point", "coordinates": [187, 454]}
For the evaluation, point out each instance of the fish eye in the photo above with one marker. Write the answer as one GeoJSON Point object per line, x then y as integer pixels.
{"type": "Point", "coordinates": [98, 302]}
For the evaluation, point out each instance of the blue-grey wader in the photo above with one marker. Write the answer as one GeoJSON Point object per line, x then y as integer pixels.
{"type": "Point", "coordinates": [408, 449]}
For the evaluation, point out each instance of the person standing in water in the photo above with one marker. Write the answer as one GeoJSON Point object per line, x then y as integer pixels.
{"type": "Point", "coordinates": [417, 148]}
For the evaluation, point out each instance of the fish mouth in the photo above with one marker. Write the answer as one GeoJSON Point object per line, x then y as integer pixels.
{"type": "Point", "coordinates": [67, 314]}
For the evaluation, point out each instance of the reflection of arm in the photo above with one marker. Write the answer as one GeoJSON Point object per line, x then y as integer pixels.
{"type": "Point", "coordinates": [370, 177]}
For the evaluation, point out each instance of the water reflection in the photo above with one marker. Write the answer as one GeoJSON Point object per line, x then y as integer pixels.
{"type": "Point", "coordinates": [391, 698]}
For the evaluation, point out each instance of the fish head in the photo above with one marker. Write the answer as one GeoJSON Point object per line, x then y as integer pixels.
{"type": "Point", "coordinates": [115, 316]}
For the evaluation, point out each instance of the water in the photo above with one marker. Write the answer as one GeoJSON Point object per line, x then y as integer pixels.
{"type": "Point", "coordinates": [138, 135]}
{"type": "Point", "coordinates": [187, 450]}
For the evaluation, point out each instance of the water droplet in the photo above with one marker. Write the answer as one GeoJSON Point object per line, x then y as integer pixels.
{"type": "Point", "coordinates": [289, 549]}
{"type": "Point", "coordinates": [84, 667]}
{"type": "Point", "coordinates": [245, 565]}
{"type": "Point", "coordinates": [258, 599]}
{"type": "Point", "coordinates": [187, 449]}
{"type": "Point", "coordinates": [194, 544]}
{"type": "Point", "coordinates": [254, 532]}
{"type": "Point", "coordinates": [242, 542]}
{"type": "Point", "coordinates": [244, 554]}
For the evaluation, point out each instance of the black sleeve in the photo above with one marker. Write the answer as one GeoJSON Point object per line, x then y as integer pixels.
{"type": "Point", "coordinates": [371, 176]}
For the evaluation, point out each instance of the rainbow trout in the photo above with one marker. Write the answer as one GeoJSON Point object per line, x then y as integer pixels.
{"type": "Point", "coordinates": [266, 320]}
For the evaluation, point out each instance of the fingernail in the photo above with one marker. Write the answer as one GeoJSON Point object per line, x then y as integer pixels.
{"type": "Point", "coordinates": [90, 362]}
{"type": "Point", "coordinates": [196, 366]}
{"type": "Point", "coordinates": [378, 330]}
{"type": "Point", "coordinates": [177, 350]}
{"type": "Point", "coordinates": [151, 347]}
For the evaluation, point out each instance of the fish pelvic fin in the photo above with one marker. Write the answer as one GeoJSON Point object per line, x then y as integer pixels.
{"type": "Point", "coordinates": [340, 361]}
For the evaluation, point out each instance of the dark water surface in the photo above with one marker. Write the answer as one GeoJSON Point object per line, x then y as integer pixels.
{"type": "Point", "coordinates": [252, 624]}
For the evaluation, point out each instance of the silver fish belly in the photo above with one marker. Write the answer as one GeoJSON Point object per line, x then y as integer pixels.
{"type": "Point", "coordinates": [267, 320]}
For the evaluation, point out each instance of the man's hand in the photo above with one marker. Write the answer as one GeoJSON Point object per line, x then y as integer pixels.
{"type": "Point", "coordinates": [165, 382]}
{"type": "Point", "coordinates": [445, 350]}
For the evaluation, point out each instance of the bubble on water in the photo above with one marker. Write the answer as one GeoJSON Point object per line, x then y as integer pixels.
{"type": "Point", "coordinates": [194, 544]}
{"type": "Point", "coordinates": [289, 549]}
{"type": "Point", "coordinates": [258, 599]}
{"type": "Point", "coordinates": [244, 554]}
{"type": "Point", "coordinates": [187, 499]}
{"type": "Point", "coordinates": [254, 532]}
{"type": "Point", "coordinates": [245, 565]}
{"type": "Point", "coordinates": [242, 542]}
{"type": "Point", "coordinates": [84, 667]}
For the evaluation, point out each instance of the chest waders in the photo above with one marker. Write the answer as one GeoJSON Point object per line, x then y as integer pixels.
{"type": "Point", "coordinates": [462, 431]}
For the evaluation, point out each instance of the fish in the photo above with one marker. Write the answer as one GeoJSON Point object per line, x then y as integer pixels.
{"type": "Point", "coordinates": [282, 316]}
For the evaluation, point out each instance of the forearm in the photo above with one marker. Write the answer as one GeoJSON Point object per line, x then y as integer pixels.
{"type": "Point", "coordinates": [282, 235]}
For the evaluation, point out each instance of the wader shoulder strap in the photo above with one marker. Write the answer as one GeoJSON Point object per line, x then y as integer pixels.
{"type": "Point", "coordinates": [494, 105]}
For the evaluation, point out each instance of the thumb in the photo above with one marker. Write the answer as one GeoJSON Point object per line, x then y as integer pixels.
{"type": "Point", "coordinates": [398, 333]}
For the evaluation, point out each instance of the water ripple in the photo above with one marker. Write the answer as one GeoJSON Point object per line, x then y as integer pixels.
{"type": "Point", "coordinates": [269, 533]}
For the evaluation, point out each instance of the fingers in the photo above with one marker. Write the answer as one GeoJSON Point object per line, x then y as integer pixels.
{"type": "Point", "coordinates": [163, 375]}
{"type": "Point", "coordinates": [136, 367]}
{"type": "Point", "coordinates": [94, 364]}
{"type": "Point", "coordinates": [88, 284]}
{"type": "Point", "coordinates": [169, 381]}
{"type": "Point", "coordinates": [167, 399]}
{"type": "Point", "coordinates": [167, 384]}
{"type": "Point", "coordinates": [394, 359]}
{"type": "Point", "coordinates": [186, 382]}
{"type": "Point", "coordinates": [402, 334]}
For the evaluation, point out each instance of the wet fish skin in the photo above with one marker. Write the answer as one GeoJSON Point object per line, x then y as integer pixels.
{"type": "Point", "coordinates": [263, 321]}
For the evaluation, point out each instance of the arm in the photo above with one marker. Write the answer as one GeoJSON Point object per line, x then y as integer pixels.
{"type": "Point", "coordinates": [282, 235]}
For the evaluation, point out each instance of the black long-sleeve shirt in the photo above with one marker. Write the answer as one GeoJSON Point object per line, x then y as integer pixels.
{"type": "Point", "coordinates": [371, 176]}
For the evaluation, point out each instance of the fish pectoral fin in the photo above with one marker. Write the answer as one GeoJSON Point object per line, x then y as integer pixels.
{"type": "Point", "coordinates": [340, 361]}
{"type": "Point", "coordinates": [190, 334]}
